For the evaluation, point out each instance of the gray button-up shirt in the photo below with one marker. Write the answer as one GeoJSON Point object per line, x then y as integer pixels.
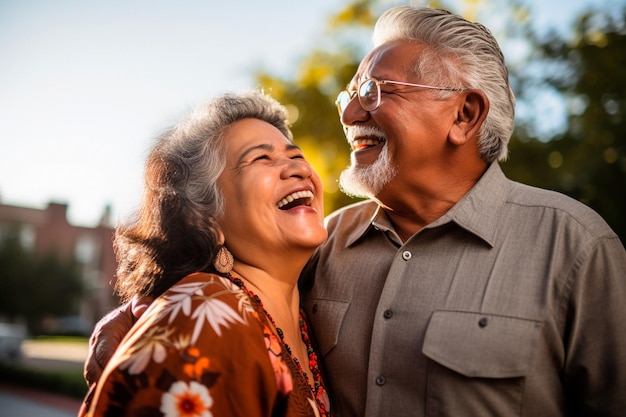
{"type": "Point", "coordinates": [511, 304]}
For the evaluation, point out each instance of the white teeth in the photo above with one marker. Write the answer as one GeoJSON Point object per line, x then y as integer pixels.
{"type": "Point", "coordinates": [366, 142]}
{"type": "Point", "coordinates": [294, 196]}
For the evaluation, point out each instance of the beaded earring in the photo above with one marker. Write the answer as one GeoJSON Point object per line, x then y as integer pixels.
{"type": "Point", "coordinates": [223, 261]}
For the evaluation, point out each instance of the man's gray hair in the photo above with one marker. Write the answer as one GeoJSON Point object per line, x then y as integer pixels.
{"type": "Point", "coordinates": [459, 54]}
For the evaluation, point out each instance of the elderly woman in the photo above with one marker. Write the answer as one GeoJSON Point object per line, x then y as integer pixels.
{"type": "Point", "coordinates": [231, 213]}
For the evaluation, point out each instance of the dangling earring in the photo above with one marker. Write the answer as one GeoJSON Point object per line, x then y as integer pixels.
{"type": "Point", "coordinates": [223, 261]}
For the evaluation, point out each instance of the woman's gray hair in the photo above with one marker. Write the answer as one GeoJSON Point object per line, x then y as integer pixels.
{"type": "Point", "coordinates": [175, 231]}
{"type": "Point", "coordinates": [460, 54]}
{"type": "Point", "coordinates": [195, 144]}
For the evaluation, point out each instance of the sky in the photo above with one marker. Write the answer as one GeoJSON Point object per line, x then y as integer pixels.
{"type": "Point", "coordinates": [86, 86]}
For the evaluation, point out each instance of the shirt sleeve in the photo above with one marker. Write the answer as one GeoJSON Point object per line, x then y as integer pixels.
{"type": "Point", "coordinates": [595, 339]}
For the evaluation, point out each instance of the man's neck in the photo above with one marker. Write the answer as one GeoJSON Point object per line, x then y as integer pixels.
{"type": "Point", "coordinates": [413, 207]}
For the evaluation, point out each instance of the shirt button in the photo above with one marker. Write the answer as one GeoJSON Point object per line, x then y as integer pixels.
{"type": "Point", "coordinates": [314, 308]}
{"type": "Point", "coordinates": [482, 322]}
{"type": "Point", "coordinates": [406, 255]}
{"type": "Point", "coordinates": [380, 380]}
{"type": "Point", "coordinates": [388, 314]}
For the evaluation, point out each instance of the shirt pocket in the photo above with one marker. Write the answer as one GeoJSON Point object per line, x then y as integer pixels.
{"type": "Point", "coordinates": [325, 316]}
{"type": "Point", "coordinates": [482, 345]}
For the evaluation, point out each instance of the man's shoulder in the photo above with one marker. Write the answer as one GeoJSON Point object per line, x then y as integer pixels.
{"type": "Point", "coordinates": [563, 207]}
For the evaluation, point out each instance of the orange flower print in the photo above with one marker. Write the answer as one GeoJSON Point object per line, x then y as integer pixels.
{"type": "Point", "coordinates": [184, 400]}
{"type": "Point", "coordinates": [196, 365]}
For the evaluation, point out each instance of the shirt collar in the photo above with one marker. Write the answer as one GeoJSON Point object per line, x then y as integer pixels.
{"type": "Point", "coordinates": [476, 212]}
{"type": "Point", "coordinates": [372, 213]}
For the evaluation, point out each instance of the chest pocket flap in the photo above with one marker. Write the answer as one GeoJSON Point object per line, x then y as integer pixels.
{"type": "Point", "coordinates": [325, 317]}
{"type": "Point", "coordinates": [482, 345]}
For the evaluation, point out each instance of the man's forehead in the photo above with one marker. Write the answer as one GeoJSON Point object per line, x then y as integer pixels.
{"type": "Point", "coordinates": [368, 62]}
{"type": "Point", "coordinates": [397, 56]}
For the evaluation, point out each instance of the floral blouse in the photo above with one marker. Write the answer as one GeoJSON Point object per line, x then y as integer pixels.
{"type": "Point", "coordinates": [203, 349]}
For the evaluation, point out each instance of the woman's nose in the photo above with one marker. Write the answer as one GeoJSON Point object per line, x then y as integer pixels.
{"type": "Point", "coordinates": [297, 167]}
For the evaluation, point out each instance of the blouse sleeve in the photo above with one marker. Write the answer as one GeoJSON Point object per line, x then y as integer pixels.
{"type": "Point", "coordinates": [198, 351]}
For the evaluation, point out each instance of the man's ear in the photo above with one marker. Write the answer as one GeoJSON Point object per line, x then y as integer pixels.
{"type": "Point", "coordinates": [471, 113]}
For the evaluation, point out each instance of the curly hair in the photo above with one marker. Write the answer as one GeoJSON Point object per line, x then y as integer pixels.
{"type": "Point", "coordinates": [460, 54]}
{"type": "Point", "coordinates": [175, 230]}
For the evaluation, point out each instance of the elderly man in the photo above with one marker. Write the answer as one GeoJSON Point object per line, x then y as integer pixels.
{"type": "Point", "coordinates": [454, 291]}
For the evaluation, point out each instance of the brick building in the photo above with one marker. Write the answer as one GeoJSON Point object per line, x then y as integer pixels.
{"type": "Point", "coordinates": [45, 230]}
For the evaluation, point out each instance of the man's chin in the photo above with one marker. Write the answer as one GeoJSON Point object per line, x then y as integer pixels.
{"type": "Point", "coordinates": [367, 180]}
{"type": "Point", "coordinates": [356, 184]}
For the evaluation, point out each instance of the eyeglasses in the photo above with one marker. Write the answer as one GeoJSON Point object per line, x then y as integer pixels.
{"type": "Point", "coordinates": [369, 93]}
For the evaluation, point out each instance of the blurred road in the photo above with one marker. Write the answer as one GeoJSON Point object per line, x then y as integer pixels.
{"type": "Point", "coordinates": [22, 402]}
{"type": "Point", "coordinates": [17, 401]}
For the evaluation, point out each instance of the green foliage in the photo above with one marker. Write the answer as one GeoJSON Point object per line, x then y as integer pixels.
{"type": "Point", "coordinates": [70, 383]}
{"type": "Point", "coordinates": [588, 160]}
{"type": "Point", "coordinates": [356, 13]}
{"type": "Point", "coordinates": [33, 286]}
{"type": "Point", "coordinates": [13, 261]}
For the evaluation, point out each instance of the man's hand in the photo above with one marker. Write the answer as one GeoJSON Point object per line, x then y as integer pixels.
{"type": "Point", "coordinates": [108, 333]}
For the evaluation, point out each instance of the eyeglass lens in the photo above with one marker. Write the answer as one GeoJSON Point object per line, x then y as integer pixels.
{"type": "Point", "coordinates": [343, 99]}
{"type": "Point", "coordinates": [369, 95]}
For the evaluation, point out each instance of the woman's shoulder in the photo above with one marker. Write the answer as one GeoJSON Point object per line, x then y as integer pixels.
{"type": "Point", "coordinates": [200, 340]}
{"type": "Point", "coordinates": [202, 303]}
{"type": "Point", "coordinates": [207, 284]}
{"type": "Point", "coordinates": [202, 319]}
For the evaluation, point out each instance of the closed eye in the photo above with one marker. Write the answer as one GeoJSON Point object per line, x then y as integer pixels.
{"type": "Point", "coordinates": [260, 157]}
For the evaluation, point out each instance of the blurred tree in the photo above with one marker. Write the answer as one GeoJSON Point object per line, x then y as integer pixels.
{"type": "Point", "coordinates": [588, 160]}
{"type": "Point", "coordinates": [14, 263]}
{"type": "Point", "coordinates": [34, 287]}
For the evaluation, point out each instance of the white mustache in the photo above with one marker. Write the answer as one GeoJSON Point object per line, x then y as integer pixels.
{"type": "Point", "coordinates": [353, 132]}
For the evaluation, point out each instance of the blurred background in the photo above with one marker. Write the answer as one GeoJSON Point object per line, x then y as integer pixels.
{"type": "Point", "coordinates": [85, 86]}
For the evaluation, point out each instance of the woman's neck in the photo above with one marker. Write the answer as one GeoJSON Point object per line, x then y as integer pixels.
{"type": "Point", "coordinates": [280, 299]}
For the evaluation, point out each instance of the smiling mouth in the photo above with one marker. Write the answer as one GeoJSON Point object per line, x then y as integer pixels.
{"type": "Point", "coordinates": [365, 143]}
{"type": "Point", "coordinates": [299, 198]}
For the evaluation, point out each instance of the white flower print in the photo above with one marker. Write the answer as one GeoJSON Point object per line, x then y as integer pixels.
{"type": "Point", "coordinates": [182, 400]}
{"type": "Point", "coordinates": [181, 342]}
{"type": "Point", "coordinates": [180, 300]}
{"type": "Point", "coordinates": [217, 313]}
{"type": "Point", "coordinates": [152, 346]}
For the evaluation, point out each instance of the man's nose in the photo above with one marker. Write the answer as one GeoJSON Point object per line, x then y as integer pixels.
{"type": "Point", "coordinates": [353, 113]}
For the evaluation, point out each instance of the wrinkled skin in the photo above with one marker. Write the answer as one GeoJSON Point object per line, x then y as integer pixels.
{"type": "Point", "coordinates": [108, 334]}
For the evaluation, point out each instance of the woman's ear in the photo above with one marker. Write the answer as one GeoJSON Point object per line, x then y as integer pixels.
{"type": "Point", "coordinates": [472, 111]}
{"type": "Point", "coordinates": [220, 236]}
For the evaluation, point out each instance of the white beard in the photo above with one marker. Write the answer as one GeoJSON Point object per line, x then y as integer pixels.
{"type": "Point", "coordinates": [369, 181]}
